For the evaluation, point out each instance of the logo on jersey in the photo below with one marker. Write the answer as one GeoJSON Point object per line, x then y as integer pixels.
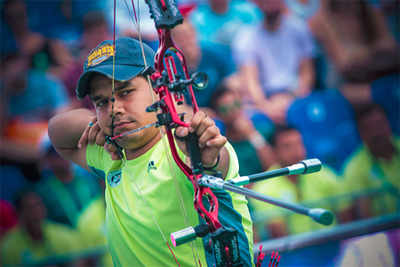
{"type": "Point", "coordinates": [114, 178]}
{"type": "Point", "coordinates": [100, 54]}
{"type": "Point", "coordinates": [151, 166]}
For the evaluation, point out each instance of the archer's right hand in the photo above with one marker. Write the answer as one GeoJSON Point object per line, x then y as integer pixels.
{"type": "Point", "coordinates": [93, 134]}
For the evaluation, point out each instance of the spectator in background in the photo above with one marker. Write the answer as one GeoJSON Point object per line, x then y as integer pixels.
{"type": "Point", "coordinates": [214, 60]}
{"type": "Point", "coordinates": [369, 250]}
{"type": "Point", "coordinates": [326, 122]}
{"type": "Point", "coordinates": [355, 36]}
{"type": "Point", "coordinates": [125, 21]}
{"type": "Point", "coordinates": [385, 91]}
{"type": "Point", "coordinates": [220, 20]}
{"type": "Point", "coordinates": [66, 189]}
{"type": "Point", "coordinates": [391, 11]}
{"type": "Point", "coordinates": [376, 164]}
{"type": "Point", "coordinates": [312, 188]}
{"type": "Point", "coordinates": [247, 131]}
{"type": "Point", "coordinates": [95, 30]}
{"type": "Point", "coordinates": [29, 98]}
{"type": "Point", "coordinates": [35, 239]}
{"type": "Point", "coordinates": [91, 225]}
{"type": "Point", "coordinates": [8, 217]}
{"type": "Point", "coordinates": [44, 54]}
{"type": "Point", "coordinates": [275, 59]}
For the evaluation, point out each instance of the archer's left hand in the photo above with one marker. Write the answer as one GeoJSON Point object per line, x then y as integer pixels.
{"type": "Point", "coordinates": [211, 142]}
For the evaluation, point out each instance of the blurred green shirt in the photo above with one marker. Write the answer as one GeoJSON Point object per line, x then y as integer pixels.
{"type": "Point", "coordinates": [364, 172]}
{"type": "Point", "coordinates": [65, 201]}
{"type": "Point", "coordinates": [18, 248]}
{"type": "Point", "coordinates": [309, 188]}
{"type": "Point", "coordinates": [91, 225]}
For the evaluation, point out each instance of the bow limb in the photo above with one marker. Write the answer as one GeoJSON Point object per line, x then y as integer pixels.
{"type": "Point", "coordinates": [168, 108]}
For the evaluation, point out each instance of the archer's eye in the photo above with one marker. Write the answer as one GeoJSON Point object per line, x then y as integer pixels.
{"type": "Point", "coordinates": [101, 103]}
{"type": "Point", "coordinates": [125, 92]}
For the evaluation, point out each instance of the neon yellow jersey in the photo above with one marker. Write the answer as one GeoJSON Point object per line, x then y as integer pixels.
{"type": "Point", "coordinates": [309, 188]}
{"type": "Point", "coordinates": [148, 198]}
{"type": "Point", "coordinates": [18, 248]}
{"type": "Point", "coordinates": [363, 172]}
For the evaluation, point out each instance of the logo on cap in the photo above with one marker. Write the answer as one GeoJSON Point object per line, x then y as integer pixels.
{"type": "Point", "coordinates": [100, 54]}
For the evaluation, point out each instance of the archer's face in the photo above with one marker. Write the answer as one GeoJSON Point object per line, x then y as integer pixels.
{"type": "Point", "coordinates": [131, 100]}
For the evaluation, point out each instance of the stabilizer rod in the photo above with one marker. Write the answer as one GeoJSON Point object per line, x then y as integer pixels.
{"type": "Point", "coordinates": [319, 215]}
{"type": "Point", "coordinates": [303, 167]}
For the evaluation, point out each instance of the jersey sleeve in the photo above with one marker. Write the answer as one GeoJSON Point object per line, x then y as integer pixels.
{"type": "Point", "coordinates": [233, 170]}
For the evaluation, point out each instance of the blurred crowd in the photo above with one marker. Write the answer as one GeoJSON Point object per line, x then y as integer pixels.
{"type": "Point", "coordinates": [288, 80]}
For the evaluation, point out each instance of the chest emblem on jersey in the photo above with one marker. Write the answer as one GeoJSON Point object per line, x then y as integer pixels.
{"type": "Point", "coordinates": [151, 166]}
{"type": "Point", "coordinates": [114, 178]}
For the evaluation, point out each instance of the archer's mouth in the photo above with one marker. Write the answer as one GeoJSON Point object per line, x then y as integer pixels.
{"type": "Point", "coordinates": [123, 126]}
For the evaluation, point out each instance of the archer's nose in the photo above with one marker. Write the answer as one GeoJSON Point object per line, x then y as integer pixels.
{"type": "Point", "coordinates": [117, 106]}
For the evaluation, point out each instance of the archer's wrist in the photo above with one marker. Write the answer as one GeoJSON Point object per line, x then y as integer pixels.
{"type": "Point", "coordinates": [215, 165]}
{"type": "Point", "coordinates": [221, 168]}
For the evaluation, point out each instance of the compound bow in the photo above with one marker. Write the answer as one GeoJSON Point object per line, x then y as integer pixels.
{"type": "Point", "coordinates": [170, 80]}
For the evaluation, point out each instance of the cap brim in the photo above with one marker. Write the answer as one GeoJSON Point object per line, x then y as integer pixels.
{"type": "Point", "coordinates": [121, 73]}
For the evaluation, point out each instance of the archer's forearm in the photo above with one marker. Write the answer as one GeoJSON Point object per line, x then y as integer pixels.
{"type": "Point", "coordinates": [65, 129]}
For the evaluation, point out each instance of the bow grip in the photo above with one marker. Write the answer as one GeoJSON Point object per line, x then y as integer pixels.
{"type": "Point", "coordinates": [192, 145]}
{"type": "Point", "coordinates": [165, 16]}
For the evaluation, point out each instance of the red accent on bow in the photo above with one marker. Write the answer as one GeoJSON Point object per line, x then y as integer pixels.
{"type": "Point", "coordinates": [166, 63]}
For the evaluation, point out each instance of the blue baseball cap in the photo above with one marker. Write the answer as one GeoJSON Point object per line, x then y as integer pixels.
{"type": "Point", "coordinates": [128, 62]}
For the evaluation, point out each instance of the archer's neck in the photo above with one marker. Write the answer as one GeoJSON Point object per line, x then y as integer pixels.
{"type": "Point", "coordinates": [137, 152]}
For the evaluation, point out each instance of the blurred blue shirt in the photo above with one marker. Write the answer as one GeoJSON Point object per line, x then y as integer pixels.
{"type": "Point", "coordinates": [221, 28]}
{"type": "Point", "coordinates": [217, 63]}
{"type": "Point", "coordinates": [43, 94]}
{"type": "Point", "coordinates": [386, 92]}
{"type": "Point", "coordinates": [325, 120]}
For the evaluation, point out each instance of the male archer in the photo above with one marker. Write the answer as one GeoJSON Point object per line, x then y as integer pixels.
{"type": "Point", "coordinates": [147, 195]}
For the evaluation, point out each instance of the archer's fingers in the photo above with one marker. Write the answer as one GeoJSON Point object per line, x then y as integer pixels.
{"type": "Point", "coordinates": [93, 132]}
{"type": "Point", "coordinates": [181, 131]}
{"type": "Point", "coordinates": [196, 121]}
{"type": "Point", "coordinates": [217, 142]}
{"type": "Point", "coordinates": [204, 125]}
{"type": "Point", "coordinates": [84, 137]}
{"type": "Point", "coordinates": [207, 135]}
{"type": "Point", "coordinates": [100, 138]}
{"type": "Point", "coordinates": [110, 148]}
